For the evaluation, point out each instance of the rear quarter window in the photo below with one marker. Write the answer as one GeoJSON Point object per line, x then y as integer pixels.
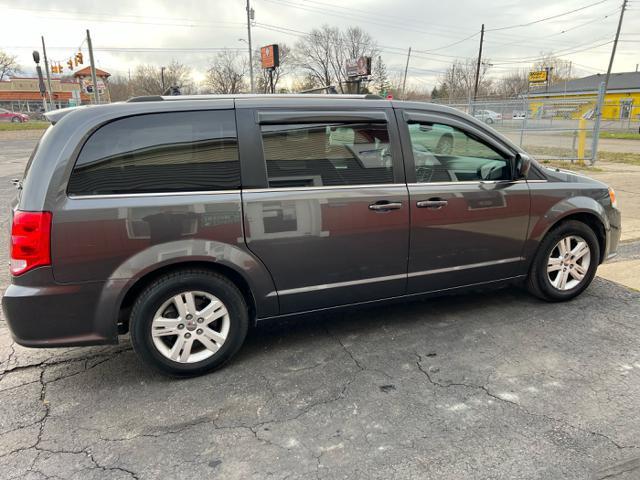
{"type": "Point", "coordinates": [160, 152]}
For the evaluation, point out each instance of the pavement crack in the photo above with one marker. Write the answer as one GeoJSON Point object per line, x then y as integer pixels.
{"type": "Point", "coordinates": [344, 347]}
{"type": "Point", "coordinates": [50, 363]}
{"type": "Point", "coordinates": [517, 405]}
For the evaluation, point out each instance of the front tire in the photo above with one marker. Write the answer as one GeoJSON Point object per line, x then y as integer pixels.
{"type": "Point", "coordinates": [188, 322]}
{"type": "Point", "coordinates": [566, 262]}
{"type": "Point", "coordinates": [16, 120]}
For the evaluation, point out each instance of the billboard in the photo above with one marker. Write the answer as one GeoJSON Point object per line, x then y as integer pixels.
{"type": "Point", "coordinates": [358, 67]}
{"type": "Point", "coordinates": [539, 76]}
{"type": "Point", "coordinates": [270, 56]}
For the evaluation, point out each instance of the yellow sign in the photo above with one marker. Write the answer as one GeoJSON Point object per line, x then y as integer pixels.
{"type": "Point", "coordinates": [538, 77]}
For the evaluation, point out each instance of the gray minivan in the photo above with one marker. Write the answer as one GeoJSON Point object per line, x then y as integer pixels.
{"type": "Point", "coordinates": [184, 220]}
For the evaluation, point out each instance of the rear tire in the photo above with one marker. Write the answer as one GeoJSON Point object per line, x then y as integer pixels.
{"type": "Point", "coordinates": [566, 262]}
{"type": "Point", "coordinates": [188, 322]}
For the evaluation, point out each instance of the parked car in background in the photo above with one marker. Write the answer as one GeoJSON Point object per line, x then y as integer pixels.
{"type": "Point", "coordinates": [519, 115]}
{"type": "Point", "coordinates": [184, 220]}
{"type": "Point", "coordinates": [15, 117]}
{"type": "Point", "coordinates": [488, 116]}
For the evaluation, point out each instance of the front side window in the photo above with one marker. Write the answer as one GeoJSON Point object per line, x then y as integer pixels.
{"type": "Point", "coordinates": [446, 154]}
{"type": "Point", "coordinates": [160, 152]}
{"type": "Point", "coordinates": [316, 155]}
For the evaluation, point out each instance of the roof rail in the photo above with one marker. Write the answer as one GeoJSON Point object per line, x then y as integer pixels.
{"type": "Point", "coordinates": [145, 98]}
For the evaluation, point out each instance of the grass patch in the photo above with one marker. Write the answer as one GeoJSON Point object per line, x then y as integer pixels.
{"type": "Point", "coordinates": [562, 156]}
{"type": "Point", "coordinates": [574, 167]}
{"type": "Point", "coordinates": [609, 134]}
{"type": "Point", "coordinates": [35, 125]}
{"type": "Point", "coordinates": [616, 157]}
{"type": "Point", "coordinates": [621, 135]}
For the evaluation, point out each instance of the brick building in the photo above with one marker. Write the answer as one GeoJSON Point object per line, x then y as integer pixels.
{"type": "Point", "coordinates": [21, 94]}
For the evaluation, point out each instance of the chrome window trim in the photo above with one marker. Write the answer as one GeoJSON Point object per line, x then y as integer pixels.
{"type": "Point", "coordinates": [364, 281]}
{"type": "Point", "coordinates": [321, 188]}
{"type": "Point", "coordinates": [153, 194]}
{"type": "Point", "coordinates": [293, 189]}
{"type": "Point", "coordinates": [474, 182]}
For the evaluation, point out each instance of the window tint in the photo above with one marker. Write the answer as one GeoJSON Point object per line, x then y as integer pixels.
{"type": "Point", "coordinates": [446, 154]}
{"type": "Point", "coordinates": [327, 154]}
{"type": "Point", "coordinates": [163, 152]}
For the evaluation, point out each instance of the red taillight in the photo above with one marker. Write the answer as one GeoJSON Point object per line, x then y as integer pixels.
{"type": "Point", "coordinates": [30, 241]}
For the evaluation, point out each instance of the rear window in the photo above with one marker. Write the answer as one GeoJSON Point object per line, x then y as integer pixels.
{"type": "Point", "coordinates": [162, 152]}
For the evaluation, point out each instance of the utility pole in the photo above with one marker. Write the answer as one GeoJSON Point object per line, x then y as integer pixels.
{"type": "Point", "coordinates": [615, 45]}
{"type": "Point", "coordinates": [46, 67]}
{"type": "Point", "coordinates": [603, 93]}
{"type": "Point", "coordinates": [250, 16]}
{"type": "Point", "coordinates": [94, 79]}
{"type": "Point", "coordinates": [475, 88]}
{"type": "Point", "coordinates": [162, 80]}
{"type": "Point", "coordinates": [406, 68]}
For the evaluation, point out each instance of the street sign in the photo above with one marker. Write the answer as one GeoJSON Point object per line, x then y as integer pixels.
{"type": "Point", "coordinates": [358, 67]}
{"type": "Point", "coordinates": [270, 56]}
{"type": "Point", "coordinates": [539, 76]}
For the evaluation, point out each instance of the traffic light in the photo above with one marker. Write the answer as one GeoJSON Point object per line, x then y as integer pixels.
{"type": "Point", "coordinates": [70, 64]}
{"type": "Point", "coordinates": [79, 60]}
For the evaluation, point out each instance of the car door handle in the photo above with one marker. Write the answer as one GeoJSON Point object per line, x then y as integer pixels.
{"type": "Point", "coordinates": [434, 203]}
{"type": "Point", "coordinates": [384, 206]}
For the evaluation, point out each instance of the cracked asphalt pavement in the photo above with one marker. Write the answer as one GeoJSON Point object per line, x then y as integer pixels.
{"type": "Point", "coordinates": [490, 385]}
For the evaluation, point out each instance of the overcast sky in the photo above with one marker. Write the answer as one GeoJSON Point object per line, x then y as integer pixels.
{"type": "Point", "coordinates": [127, 32]}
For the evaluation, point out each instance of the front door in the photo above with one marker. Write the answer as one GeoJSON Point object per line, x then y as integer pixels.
{"type": "Point", "coordinates": [469, 218]}
{"type": "Point", "coordinates": [331, 222]}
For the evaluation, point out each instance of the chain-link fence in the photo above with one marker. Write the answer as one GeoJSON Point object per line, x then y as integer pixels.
{"type": "Point", "coordinates": [555, 128]}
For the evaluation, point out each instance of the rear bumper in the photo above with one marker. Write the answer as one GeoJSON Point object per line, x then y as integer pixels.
{"type": "Point", "coordinates": [40, 313]}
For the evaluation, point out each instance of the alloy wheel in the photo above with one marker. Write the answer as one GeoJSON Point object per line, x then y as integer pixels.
{"type": "Point", "coordinates": [568, 263]}
{"type": "Point", "coordinates": [190, 327]}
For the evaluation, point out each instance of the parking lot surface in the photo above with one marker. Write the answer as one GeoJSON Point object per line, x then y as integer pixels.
{"type": "Point", "coordinates": [489, 385]}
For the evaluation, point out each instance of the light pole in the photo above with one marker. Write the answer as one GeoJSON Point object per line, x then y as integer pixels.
{"type": "Point", "coordinates": [162, 80]}
{"type": "Point", "coordinates": [43, 89]}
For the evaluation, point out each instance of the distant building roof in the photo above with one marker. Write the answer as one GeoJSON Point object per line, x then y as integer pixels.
{"type": "Point", "coordinates": [86, 72]}
{"type": "Point", "coordinates": [618, 81]}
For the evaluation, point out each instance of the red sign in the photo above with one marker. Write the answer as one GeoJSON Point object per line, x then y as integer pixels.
{"type": "Point", "coordinates": [270, 56]}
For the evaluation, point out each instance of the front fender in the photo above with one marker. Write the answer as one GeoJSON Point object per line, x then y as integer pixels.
{"type": "Point", "coordinates": [549, 209]}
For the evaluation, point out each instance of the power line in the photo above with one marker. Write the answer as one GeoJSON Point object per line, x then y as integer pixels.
{"type": "Point", "coordinates": [562, 32]}
{"type": "Point", "coordinates": [363, 19]}
{"type": "Point", "coordinates": [528, 24]}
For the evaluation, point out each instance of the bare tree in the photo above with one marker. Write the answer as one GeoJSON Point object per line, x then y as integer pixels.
{"type": "Point", "coordinates": [304, 82]}
{"type": "Point", "coordinates": [120, 88]}
{"type": "Point", "coordinates": [285, 68]}
{"type": "Point", "coordinates": [323, 53]}
{"type": "Point", "coordinates": [513, 84]}
{"type": "Point", "coordinates": [560, 69]}
{"type": "Point", "coordinates": [226, 74]}
{"type": "Point", "coordinates": [458, 81]}
{"type": "Point", "coordinates": [147, 79]}
{"type": "Point", "coordinates": [8, 65]}
{"type": "Point", "coordinates": [315, 52]}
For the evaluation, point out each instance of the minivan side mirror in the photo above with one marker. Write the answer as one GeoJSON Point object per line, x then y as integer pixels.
{"type": "Point", "coordinates": [523, 164]}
